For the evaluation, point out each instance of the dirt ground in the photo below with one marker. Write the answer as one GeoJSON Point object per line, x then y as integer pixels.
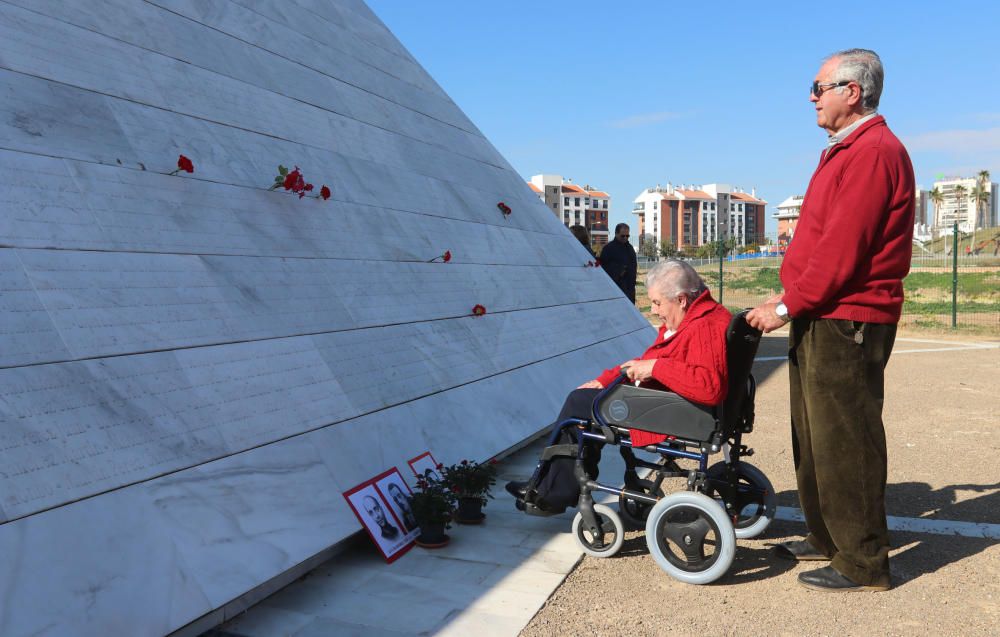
{"type": "Point", "coordinates": [942, 417]}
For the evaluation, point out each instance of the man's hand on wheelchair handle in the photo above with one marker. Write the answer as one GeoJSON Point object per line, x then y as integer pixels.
{"type": "Point", "coordinates": [591, 384]}
{"type": "Point", "coordinates": [764, 318]}
{"type": "Point", "coordinates": [639, 370]}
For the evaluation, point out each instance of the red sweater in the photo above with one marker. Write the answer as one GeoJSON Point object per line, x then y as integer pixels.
{"type": "Point", "coordinates": [854, 238]}
{"type": "Point", "coordinates": [691, 362]}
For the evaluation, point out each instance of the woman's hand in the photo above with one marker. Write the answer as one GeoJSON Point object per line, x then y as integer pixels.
{"type": "Point", "coordinates": [591, 384]}
{"type": "Point", "coordinates": [639, 370]}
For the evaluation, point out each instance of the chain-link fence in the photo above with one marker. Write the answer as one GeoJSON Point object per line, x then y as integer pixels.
{"type": "Point", "coordinates": [941, 291]}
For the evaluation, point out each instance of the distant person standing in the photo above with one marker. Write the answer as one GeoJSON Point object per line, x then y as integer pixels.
{"type": "Point", "coordinates": [583, 237]}
{"type": "Point", "coordinates": [843, 292]}
{"type": "Point", "coordinates": [618, 260]}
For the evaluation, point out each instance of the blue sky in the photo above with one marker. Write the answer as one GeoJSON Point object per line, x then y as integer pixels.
{"type": "Point", "coordinates": [625, 95]}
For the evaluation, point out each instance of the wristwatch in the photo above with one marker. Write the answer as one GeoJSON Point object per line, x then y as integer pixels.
{"type": "Point", "coordinates": [782, 311]}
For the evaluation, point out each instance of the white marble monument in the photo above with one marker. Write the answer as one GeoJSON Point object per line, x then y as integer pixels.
{"type": "Point", "coordinates": [192, 367]}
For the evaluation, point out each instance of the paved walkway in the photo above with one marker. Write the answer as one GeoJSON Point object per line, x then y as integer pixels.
{"type": "Point", "coordinates": [490, 580]}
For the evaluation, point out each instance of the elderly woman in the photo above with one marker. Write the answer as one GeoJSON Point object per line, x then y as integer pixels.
{"type": "Point", "coordinates": [688, 357]}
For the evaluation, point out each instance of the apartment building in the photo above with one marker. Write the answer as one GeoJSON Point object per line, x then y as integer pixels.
{"type": "Point", "coordinates": [575, 205]}
{"type": "Point", "coordinates": [690, 216]}
{"type": "Point", "coordinates": [959, 206]}
{"type": "Point", "coordinates": [788, 217]}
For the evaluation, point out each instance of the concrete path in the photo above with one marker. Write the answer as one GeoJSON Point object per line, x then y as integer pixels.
{"type": "Point", "coordinates": [490, 580]}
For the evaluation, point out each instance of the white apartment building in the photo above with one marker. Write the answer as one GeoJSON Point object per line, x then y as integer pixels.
{"type": "Point", "coordinates": [575, 205]}
{"type": "Point", "coordinates": [689, 215]}
{"type": "Point", "coordinates": [960, 207]}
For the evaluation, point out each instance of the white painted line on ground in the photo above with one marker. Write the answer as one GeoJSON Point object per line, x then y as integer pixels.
{"type": "Point", "coordinates": [918, 525]}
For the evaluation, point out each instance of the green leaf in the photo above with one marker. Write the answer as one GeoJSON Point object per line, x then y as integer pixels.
{"type": "Point", "coordinates": [279, 179]}
{"type": "Point", "coordinates": [282, 170]}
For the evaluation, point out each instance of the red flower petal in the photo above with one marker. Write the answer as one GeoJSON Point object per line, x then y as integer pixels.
{"type": "Point", "coordinates": [478, 310]}
{"type": "Point", "coordinates": [309, 187]}
{"type": "Point", "coordinates": [324, 192]}
{"type": "Point", "coordinates": [447, 256]}
{"type": "Point", "coordinates": [185, 164]}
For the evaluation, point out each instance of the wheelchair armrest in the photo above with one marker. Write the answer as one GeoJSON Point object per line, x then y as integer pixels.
{"type": "Point", "coordinates": [657, 411]}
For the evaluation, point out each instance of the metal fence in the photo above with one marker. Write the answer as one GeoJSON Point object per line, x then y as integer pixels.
{"type": "Point", "coordinates": [942, 291]}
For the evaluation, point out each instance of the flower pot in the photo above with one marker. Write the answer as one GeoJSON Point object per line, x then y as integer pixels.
{"type": "Point", "coordinates": [432, 536]}
{"type": "Point", "coordinates": [470, 511]}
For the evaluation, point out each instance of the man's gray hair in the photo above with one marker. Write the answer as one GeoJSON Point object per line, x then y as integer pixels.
{"type": "Point", "coordinates": [674, 277]}
{"type": "Point", "coordinates": [865, 68]}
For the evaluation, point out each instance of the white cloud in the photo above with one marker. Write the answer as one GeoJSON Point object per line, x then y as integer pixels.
{"type": "Point", "coordinates": [643, 119]}
{"type": "Point", "coordinates": [956, 141]}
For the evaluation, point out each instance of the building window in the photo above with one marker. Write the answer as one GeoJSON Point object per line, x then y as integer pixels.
{"type": "Point", "coordinates": [576, 201]}
{"type": "Point", "coordinates": [654, 205]}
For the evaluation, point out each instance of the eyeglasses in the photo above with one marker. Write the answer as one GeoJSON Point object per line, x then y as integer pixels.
{"type": "Point", "coordinates": [624, 236]}
{"type": "Point", "coordinates": [818, 89]}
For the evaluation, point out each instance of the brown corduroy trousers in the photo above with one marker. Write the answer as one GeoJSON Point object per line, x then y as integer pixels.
{"type": "Point", "coordinates": [838, 440]}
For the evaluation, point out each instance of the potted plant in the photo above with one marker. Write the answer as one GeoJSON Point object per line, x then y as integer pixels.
{"type": "Point", "coordinates": [432, 504]}
{"type": "Point", "coordinates": [471, 483]}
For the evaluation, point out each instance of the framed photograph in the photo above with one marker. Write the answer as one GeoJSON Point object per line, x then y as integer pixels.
{"type": "Point", "coordinates": [379, 518]}
{"type": "Point", "coordinates": [424, 462]}
{"type": "Point", "coordinates": [396, 492]}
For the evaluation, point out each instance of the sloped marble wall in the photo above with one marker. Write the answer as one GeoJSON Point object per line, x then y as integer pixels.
{"type": "Point", "coordinates": [193, 368]}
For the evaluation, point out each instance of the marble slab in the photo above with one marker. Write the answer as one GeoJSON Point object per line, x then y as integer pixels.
{"type": "Point", "coordinates": [193, 367]}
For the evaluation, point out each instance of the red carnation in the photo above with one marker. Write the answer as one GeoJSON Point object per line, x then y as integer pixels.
{"type": "Point", "coordinates": [324, 192]}
{"type": "Point", "coordinates": [478, 310]}
{"type": "Point", "coordinates": [183, 163]}
{"type": "Point", "coordinates": [504, 208]}
{"type": "Point", "coordinates": [309, 187]}
{"type": "Point", "coordinates": [597, 263]}
{"type": "Point", "coordinates": [447, 256]}
{"type": "Point", "coordinates": [440, 465]}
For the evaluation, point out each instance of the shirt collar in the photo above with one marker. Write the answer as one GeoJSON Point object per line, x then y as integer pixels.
{"type": "Point", "coordinates": [842, 134]}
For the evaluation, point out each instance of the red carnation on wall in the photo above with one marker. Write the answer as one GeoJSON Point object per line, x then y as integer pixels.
{"type": "Point", "coordinates": [478, 310]}
{"type": "Point", "coordinates": [183, 163]}
{"type": "Point", "coordinates": [324, 192]}
{"type": "Point", "coordinates": [504, 208]}
{"type": "Point", "coordinates": [445, 258]}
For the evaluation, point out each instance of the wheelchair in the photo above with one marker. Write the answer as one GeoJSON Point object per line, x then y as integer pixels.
{"type": "Point", "coordinates": [692, 533]}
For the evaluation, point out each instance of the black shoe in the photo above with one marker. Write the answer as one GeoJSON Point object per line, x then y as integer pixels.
{"type": "Point", "coordinates": [517, 489]}
{"type": "Point", "coordinates": [828, 580]}
{"type": "Point", "coordinates": [799, 550]}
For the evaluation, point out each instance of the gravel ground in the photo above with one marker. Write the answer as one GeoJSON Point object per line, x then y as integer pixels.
{"type": "Point", "coordinates": [942, 417]}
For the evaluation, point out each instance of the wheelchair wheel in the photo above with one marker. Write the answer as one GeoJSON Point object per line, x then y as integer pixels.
{"type": "Point", "coordinates": [633, 512]}
{"type": "Point", "coordinates": [691, 537]}
{"type": "Point", "coordinates": [614, 533]}
{"type": "Point", "coordinates": [757, 512]}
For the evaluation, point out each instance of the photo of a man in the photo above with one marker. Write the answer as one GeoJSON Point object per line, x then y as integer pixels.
{"type": "Point", "coordinates": [377, 514]}
{"type": "Point", "coordinates": [400, 501]}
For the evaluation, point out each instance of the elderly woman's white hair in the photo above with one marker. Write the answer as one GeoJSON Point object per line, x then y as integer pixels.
{"type": "Point", "coordinates": [674, 277]}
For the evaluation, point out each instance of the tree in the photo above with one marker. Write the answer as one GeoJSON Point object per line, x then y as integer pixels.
{"type": "Point", "coordinates": [667, 248]}
{"type": "Point", "coordinates": [980, 196]}
{"type": "Point", "coordinates": [647, 247]}
{"type": "Point", "coordinates": [937, 198]}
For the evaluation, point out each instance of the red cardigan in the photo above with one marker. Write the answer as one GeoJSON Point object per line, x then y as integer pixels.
{"type": "Point", "coordinates": [854, 237]}
{"type": "Point", "coordinates": [691, 362]}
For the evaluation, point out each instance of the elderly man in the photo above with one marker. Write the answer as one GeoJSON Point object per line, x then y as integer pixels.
{"type": "Point", "coordinates": [688, 357]}
{"type": "Point", "coordinates": [619, 261]}
{"type": "Point", "coordinates": [843, 293]}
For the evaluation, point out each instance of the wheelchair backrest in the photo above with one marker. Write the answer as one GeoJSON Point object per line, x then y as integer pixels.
{"type": "Point", "coordinates": [741, 348]}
